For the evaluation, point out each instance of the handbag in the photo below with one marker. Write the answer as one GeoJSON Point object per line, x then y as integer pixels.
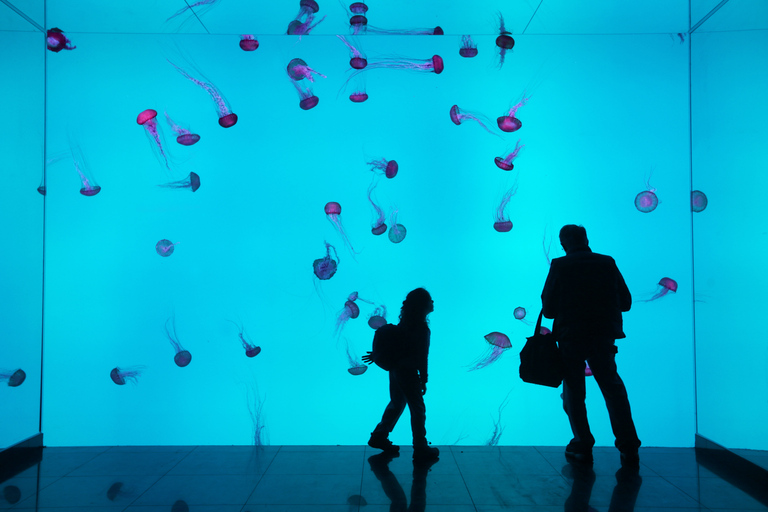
{"type": "Point", "coordinates": [540, 361]}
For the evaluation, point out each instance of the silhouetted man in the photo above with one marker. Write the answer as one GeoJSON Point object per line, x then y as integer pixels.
{"type": "Point", "coordinates": [585, 294]}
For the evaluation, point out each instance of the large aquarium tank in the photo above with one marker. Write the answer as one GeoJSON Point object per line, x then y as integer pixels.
{"type": "Point", "coordinates": [210, 206]}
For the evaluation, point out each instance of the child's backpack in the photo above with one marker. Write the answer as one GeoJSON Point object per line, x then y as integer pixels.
{"type": "Point", "coordinates": [386, 346]}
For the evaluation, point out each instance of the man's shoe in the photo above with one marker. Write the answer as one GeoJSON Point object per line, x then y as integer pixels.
{"type": "Point", "coordinates": [630, 460]}
{"type": "Point", "coordinates": [382, 443]}
{"type": "Point", "coordinates": [425, 452]}
{"type": "Point", "coordinates": [574, 457]}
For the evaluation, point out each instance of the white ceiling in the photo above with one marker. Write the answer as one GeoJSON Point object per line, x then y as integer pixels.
{"type": "Point", "coordinates": [475, 17]}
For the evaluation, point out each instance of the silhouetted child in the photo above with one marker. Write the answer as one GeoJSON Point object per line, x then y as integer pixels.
{"type": "Point", "coordinates": [408, 377]}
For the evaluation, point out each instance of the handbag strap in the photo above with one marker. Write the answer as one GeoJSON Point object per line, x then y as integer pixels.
{"type": "Point", "coordinates": [538, 324]}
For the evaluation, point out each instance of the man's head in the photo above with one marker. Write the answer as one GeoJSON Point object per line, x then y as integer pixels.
{"type": "Point", "coordinates": [573, 237]}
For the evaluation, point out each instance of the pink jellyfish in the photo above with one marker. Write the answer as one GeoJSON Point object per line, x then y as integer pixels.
{"type": "Point", "coordinates": [15, 378]}
{"type": "Point", "coordinates": [358, 23]}
{"type": "Point", "coordinates": [248, 43]}
{"type": "Point", "coordinates": [325, 267]}
{"type": "Point", "coordinates": [182, 357]}
{"type": "Point", "coordinates": [519, 314]}
{"type": "Point", "coordinates": [147, 119]}
{"type": "Point", "coordinates": [358, 96]}
{"type": "Point", "coordinates": [307, 8]}
{"type": "Point", "coordinates": [183, 136]}
{"type": "Point", "coordinates": [120, 376]}
{"type": "Point", "coordinates": [356, 367]}
{"type": "Point", "coordinates": [458, 116]}
{"type": "Point", "coordinates": [209, 3]}
{"type": "Point", "coordinates": [383, 166]}
{"type": "Point", "coordinates": [508, 122]}
{"type": "Point", "coordinates": [357, 60]}
{"type": "Point", "coordinates": [299, 70]}
{"type": "Point", "coordinates": [227, 118]}
{"type": "Point", "coordinates": [332, 213]}
{"type": "Point", "coordinates": [587, 371]}
{"type": "Point", "coordinates": [191, 182]}
{"type": "Point", "coordinates": [666, 285]}
{"type": "Point", "coordinates": [165, 247]}
{"type": "Point", "coordinates": [89, 186]}
{"type": "Point", "coordinates": [698, 201]}
{"type": "Point", "coordinates": [302, 28]}
{"type": "Point", "coordinates": [647, 200]}
{"type": "Point", "coordinates": [397, 231]}
{"type": "Point", "coordinates": [379, 226]}
{"type": "Point", "coordinates": [504, 41]}
{"type": "Point", "coordinates": [501, 223]}
{"type": "Point", "coordinates": [56, 41]}
{"type": "Point", "coordinates": [308, 100]}
{"type": "Point", "coordinates": [251, 350]}
{"type": "Point", "coordinates": [505, 163]}
{"type": "Point", "coordinates": [468, 47]}
{"type": "Point", "coordinates": [497, 344]}
{"type": "Point", "coordinates": [358, 8]}
{"type": "Point", "coordinates": [350, 310]}
{"type": "Point", "coordinates": [378, 317]}
{"type": "Point", "coordinates": [433, 65]}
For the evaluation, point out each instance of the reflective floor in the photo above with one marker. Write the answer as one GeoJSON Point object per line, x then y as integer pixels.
{"type": "Point", "coordinates": [358, 478]}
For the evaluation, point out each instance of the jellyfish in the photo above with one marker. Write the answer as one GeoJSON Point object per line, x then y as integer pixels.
{"type": "Point", "coordinates": [436, 31]}
{"type": "Point", "coordinates": [227, 118]}
{"type": "Point", "coordinates": [647, 201]}
{"type": "Point", "coordinates": [248, 43]}
{"type": "Point", "coordinates": [358, 96]}
{"type": "Point", "coordinates": [698, 201]}
{"type": "Point", "coordinates": [458, 116]}
{"type": "Point", "coordinates": [356, 367]}
{"type": "Point", "coordinates": [378, 317]}
{"type": "Point", "coordinates": [15, 378]}
{"type": "Point", "coordinates": [544, 330]}
{"type": "Point", "coordinates": [358, 8]}
{"type": "Point", "coordinates": [497, 428]}
{"type": "Point", "coordinates": [196, 4]}
{"type": "Point", "coordinates": [379, 226]}
{"type": "Point", "coordinates": [55, 40]}
{"type": "Point", "coordinates": [89, 186]}
{"type": "Point", "coordinates": [308, 99]}
{"type": "Point", "coordinates": [298, 70]}
{"type": "Point", "coordinates": [587, 371]}
{"type": "Point", "coordinates": [501, 223]}
{"type": "Point", "coordinates": [165, 247]}
{"type": "Point", "coordinates": [350, 310]}
{"type": "Point", "coordinates": [251, 350]}
{"type": "Point", "coordinates": [433, 65]}
{"type": "Point", "coordinates": [357, 60]}
{"type": "Point", "coordinates": [147, 119]}
{"type": "Point", "coordinates": [307, 8]}
{"type": "Point", "coordinates": [358, 23]}
{"type": "Point", "coordinates": [505, 163]}
{"type": "Point", "coordinates": [383, 166]}
{"type": "Point", "coordinates": [191, 183]}
{"type": "Point", "coordinates": [255, 407]}
{"type": "Point", "coordinates": [325, 267]}
{"type": "Point", "coordinates": [519, 314]}
{"type": "Point", "coordinates": [468, 47]}
{"type": "Point", "coordinates": [121, 376]}
{"type": "Point", "coordinates": [184, 136]}
{"type": "Point", "coordinates": [397, 231]}
{"type": "Point", "coordinates": [497, 343]}
{"type": "Point", "coordinates": [332, 213]}
{"type": "Point", "coordinates": [302, 28]}
{"type": "Point", "coordinates": [182, 357]}
{"type": "Point", "coordinates": [508, 122]}
{"type": "Point", "coordinates": [666, 285]}
{"type": "Point", "coordinates": [504, 41]}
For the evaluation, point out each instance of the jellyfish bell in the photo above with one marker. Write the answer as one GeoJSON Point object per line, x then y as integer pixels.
{"type": "Point", "coordinates": [505, 41]}
{"type": "Point", "coordinates": [468, 52]}
{"type": "Point", "coordinates": [120, 376]}
{"type": "Point", "coordinates": [358, 21]}
{"type": "Point", "coordinates": [352, 309]}
{"type": "Point", "coordinates": [358, 97]}
{"type": "Point", "coordinates": [501, 164]}
{"type": "Point", "coordinates": [668, 283]}
{"type": "Point", "coordinates": [146, 116]}
{"type": "Point", "coordinates": [116, 377]}
{"type": "Point", "coordinates": [17, 378]}
{"type": "Point", "coordinates": [437, 61]}
{"type": "Point", "coordinates": [519, 313]}
{"type": "Point", "coordinates": [379, 229]}
{"type": "Point", "coordinates": [698, 201]}
{"type": "Point", "coordinates": [509, 124]}
{"type": "Point", "coordinates": [182, 358]}
{"type": "Point", "coordinates": [376, 321]}
{"type": "Point", "coordinates": [309, 103]}
{"type": "Point", "coordinates": [397, 233]}
{"type": "Point", "coordinates": [646, 201]}
{"type": "Point", "coordinates": [357, 370]}
{"type": "Point", "coordinates": [248, 43]}
{"type": "Point", "coordinates": [252, 351]}
{"type": "Point", "coordinates": [309, 6]}
{"type": "Point", "coordinates": [503, 226]}
{"type": "Point", "coordinates": [498, 339]}
{"type": "Point", "coordinates": [332, 208]}
{"type": "Point", "coordinates": [228, 120]}
{"type": "Point", "coordinates": [90, 190]}
{"type": "Point", "coordinates": [455, 113]}
{"type": "Point", "coordinates": [358, 62]}
{"type": "Point", "coordinates": [391, 170]}
{"type": "Point", "coordinates": [358, 8]}
{"type": "Point", "coordinates": [324, 268]}
{"type": "Point", "coordinates": [189, 139]}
